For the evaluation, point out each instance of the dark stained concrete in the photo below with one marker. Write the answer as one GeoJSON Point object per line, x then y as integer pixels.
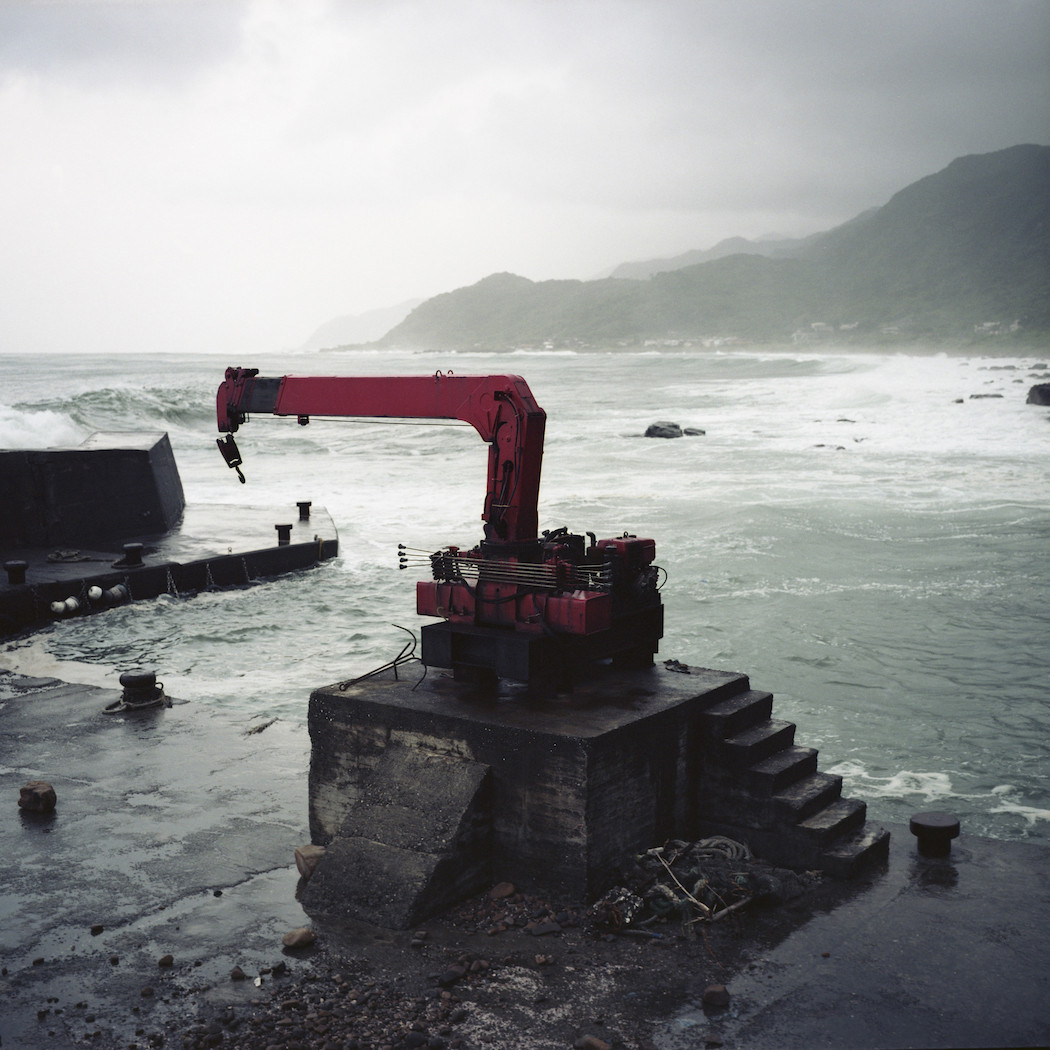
{"type": "Point", "coordinates": [949, 952]}
{"type": "Point", "coordinates": [212, 545]}
{"type": "Point", "coordinates": [159, 810]}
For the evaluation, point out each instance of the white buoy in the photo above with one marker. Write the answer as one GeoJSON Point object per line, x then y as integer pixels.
{"type": "Point", "coordinates": [72, 605]}
{"type": "Point", "coordinates": [95, 593]}
{"type": "Point", "coordinates": [58, 608]}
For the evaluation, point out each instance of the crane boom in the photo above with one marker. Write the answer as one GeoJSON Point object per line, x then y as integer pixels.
{"type": "Point", "coordinates": [501, 409]}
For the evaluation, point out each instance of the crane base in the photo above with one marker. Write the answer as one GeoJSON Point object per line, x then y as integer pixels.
{"type": "Point", "coordinates": [544, 662]}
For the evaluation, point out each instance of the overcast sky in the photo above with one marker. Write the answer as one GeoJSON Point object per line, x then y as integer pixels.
{"type": "Point", "coordinates": [213, 175]}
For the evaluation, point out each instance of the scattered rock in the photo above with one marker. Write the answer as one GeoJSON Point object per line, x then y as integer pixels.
{"type": "Point", "coordinates": [97, 929]}
{"type": "Point", "coordinates": [716, 997]}
{"type": "Point", "coordinates": [237, 974]}
{"type": "Point", "coordinates": [501, 889]}
{"type": "Point", "coordinates": [302, 937]}
{"type": "Point", "coordinates": [591, 1042]}
{"type": "Point", "coordinates": [978, 397]}
{"type": "Point", "coordinates": [1039, 394]}
{"type": "Point", "coordinates": [693, 432]}
{"type": "Point", "coordinates": [307, 858]}
{"type": "Point", "coordinates": [38, 796]}
{"type": "Point", "coordinates": [166, 960]}
{"type": "Point", "coordinates": [451, 976]}
{"type": "Point", "coordinates": [541, 929]}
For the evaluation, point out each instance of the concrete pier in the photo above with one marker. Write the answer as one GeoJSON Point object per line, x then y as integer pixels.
{"type": "Point", "coordinates": [158, 811]}
{"type": "Point", "coordinates": [579, 783]}
{"type": "Point", "coordinates": [111, 513]}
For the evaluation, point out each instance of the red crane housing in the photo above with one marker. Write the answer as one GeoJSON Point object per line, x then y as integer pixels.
{"type": "Point", "coordinates": [518, 605]}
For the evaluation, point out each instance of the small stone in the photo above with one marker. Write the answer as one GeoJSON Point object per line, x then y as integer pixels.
{"type": "Point", "coordinates": [307, 858]}
{"type": "Point", "coordinates": [39, 961]}
{"type": "Point", "coordinates": [542, 929]}
{"type": "Point", "coordinates": [38, 796]}
{"type": "Point", "coordinates": [237, 974]}
{"type": "Point", "coordinates": [451, 975]}
{"type": "Point", "coordinates": [302, 937]}
{"type": "Point", "coordinates": [716, 997]}
{"type": "Point", "coordinates": [114, 959]}
{"type": "Point", "coordinates": [500, 890]}
{"type": "Point", "coordinates": [710, 1039]}
{"type": "Point", "coordinates": [591, 1042]}
{"type": "Point", "coordinates": [146, 992]}
{"type": "Point", "coordinates": [97, 929]}
{"type": "Point", "coordinates": [166, 961]}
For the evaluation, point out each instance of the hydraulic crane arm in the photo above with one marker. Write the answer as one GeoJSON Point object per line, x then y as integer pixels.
{"type": "Point", "coordinates": [501, 409]}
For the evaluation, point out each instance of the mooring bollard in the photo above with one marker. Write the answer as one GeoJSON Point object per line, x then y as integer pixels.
{"type": "Point", "coordinates": [132, 553]}
{"type": "Point", "coordinates": [304, 509]}
{"type": "Point", "coordinates": [284, 535]}
{"type": "Point", "coordinates": [935, 832]}
{"type": "Point", "coordinates": [16, 570]}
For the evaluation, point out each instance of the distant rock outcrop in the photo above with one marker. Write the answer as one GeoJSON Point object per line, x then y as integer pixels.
{"type": "Point", "coordinates": [1039, 394]}
{"type": "Point", "coordinates": [663, 429]}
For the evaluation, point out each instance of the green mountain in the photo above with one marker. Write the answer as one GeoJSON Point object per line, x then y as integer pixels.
{"type": "Point", "coordinates": [964, 251]}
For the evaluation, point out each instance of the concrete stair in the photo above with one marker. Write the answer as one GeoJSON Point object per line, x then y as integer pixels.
{"type": "Point", "coordinates": [760, 787]}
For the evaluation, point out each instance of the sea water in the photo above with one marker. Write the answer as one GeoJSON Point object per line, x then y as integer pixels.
{"type": "Point", "coordinates": [863, 534]}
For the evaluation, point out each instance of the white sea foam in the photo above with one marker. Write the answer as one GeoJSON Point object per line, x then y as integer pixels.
{"type": "Point", "coordinates": [22, 428]}
{"type": "Point", "coordinates": [33, 659]}
{"type": "Point", "coordinates": [1011, 804]}
{"type": "Point", "coordinates": [905, 784]}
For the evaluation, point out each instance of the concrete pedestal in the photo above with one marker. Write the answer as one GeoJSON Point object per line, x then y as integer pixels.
{"type": "Point", "coordinates": [578, 783]}
{"type": "Point", "coordinates": [572, 786]}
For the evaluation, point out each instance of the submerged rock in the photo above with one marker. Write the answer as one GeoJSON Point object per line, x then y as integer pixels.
{"type": "Point", "coordinates": [1039, 394]}
{"type": "Point", "coordinates": [38, 796]}
{"type": "Point", "coordinates": [663, 429]}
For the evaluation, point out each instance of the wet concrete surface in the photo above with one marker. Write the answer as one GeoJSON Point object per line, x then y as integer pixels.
{"type": "Point", "coordinates": [174, 834]}
{"type": "Point", "coordinates": [174, 831]}
{"type": "Point", "coordinates": [920, 953]}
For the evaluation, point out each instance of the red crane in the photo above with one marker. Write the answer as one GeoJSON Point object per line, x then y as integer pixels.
{"type": "Point", "coordinates": [537, 609]}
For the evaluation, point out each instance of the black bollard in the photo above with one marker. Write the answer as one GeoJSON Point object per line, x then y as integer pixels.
{"type": "Point", "coordinates": [935, 832]}
{"type": "Point", "coordinates": [16, 572]}
{"type": "Point", "coordinates": [284, 535]}
{"type": "Point", "coordinates": [304, 509]}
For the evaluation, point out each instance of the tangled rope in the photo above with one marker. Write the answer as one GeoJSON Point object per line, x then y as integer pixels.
{"type": "Point", "coordinates": [692, 882]}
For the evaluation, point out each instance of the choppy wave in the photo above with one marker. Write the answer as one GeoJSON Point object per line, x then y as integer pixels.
{"type": "Point", "coordinates": [905, 784]}
{"type": "Point", "coordinates": [888, 594]}
{"type": "Point", "coordinates": [38, 428]}
{"type": "Point", "coordinates": [134, 408]}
